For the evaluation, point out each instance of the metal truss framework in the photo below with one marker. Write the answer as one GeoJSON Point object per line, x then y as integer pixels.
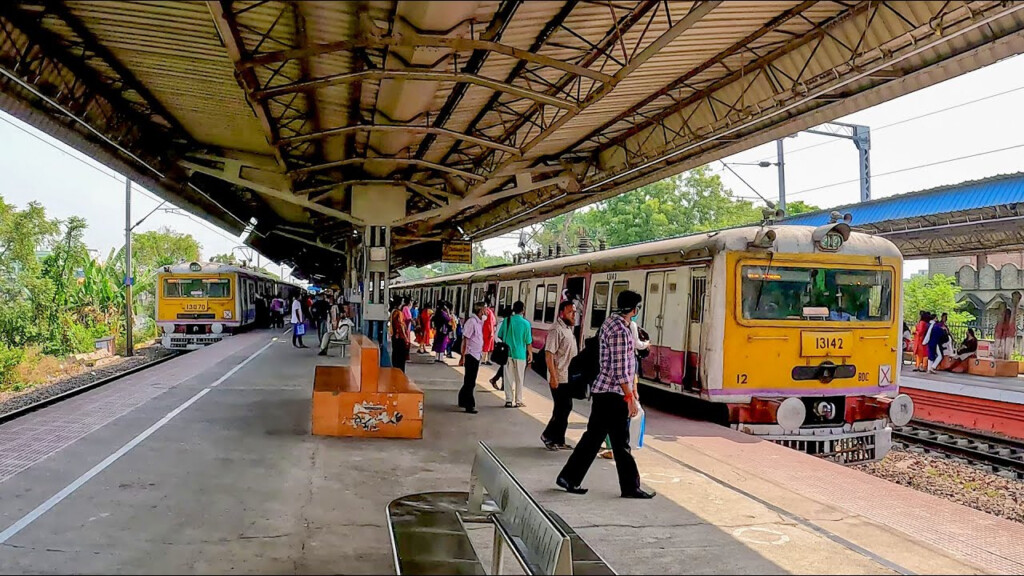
{"type": "Point", "coordinates": [515, 130]}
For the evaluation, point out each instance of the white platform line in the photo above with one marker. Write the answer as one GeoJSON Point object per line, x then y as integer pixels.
{"type": "Point", "coordinates": [68, 490]}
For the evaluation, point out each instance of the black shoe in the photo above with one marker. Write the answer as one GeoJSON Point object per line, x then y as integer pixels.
{"type": "Point", "coordinates": [322, 353]}
{"type": "Point", "coordinates": [508, 404]}
{"type": "Point", "coordinates": [552, 446]}
{"type": "Point", "coordinates": [640, 494]}
{"type": "Point", "coordinates": [471, 410]}
{"type": "Point", "coordinates": [494, 383]}
{"type": "Point", "coordinates": [564, 484]}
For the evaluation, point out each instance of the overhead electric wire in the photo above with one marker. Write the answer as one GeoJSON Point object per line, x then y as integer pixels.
{"type": "Point", "coordinates": [120, 179]}
{"type": "Point", "coordinates": [905, 120]}
{"type": "Point", "coordinates": [909, 168]}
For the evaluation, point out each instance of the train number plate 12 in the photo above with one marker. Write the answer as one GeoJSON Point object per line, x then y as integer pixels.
{"type": "Point", "coordinates": [826, 343]}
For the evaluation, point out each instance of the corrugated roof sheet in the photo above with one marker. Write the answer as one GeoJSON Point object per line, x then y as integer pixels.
{"type": "Point", "coordinates": [972, 195]}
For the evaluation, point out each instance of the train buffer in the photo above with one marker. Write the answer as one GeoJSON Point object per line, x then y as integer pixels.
{"type": "Point", "coordinates": [428, 530]}
{"type": "Point", "coordinates": [365, 399]}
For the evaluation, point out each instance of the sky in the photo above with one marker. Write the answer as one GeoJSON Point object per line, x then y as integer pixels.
{"type": "Point", "coordinates": [967, 115]}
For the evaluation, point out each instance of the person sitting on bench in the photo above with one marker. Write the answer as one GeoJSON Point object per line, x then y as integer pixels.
{"type": "Point", "coordinates": [341, 329]}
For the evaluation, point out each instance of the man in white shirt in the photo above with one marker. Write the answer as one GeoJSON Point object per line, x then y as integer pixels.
{"type": "Point", "coordinates": [472, 350]}
{"type": "Point", "coordinates": [297, 320]}
{"type": "Point", "coordinates": [560, 348]}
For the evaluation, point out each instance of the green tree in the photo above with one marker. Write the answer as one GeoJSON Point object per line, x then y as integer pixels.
{"type": "Point", "coordinates": [800, 207]}
{"type": "Point", "coordinates": [224, 259]}
{"type": "Point", "coordinates": [936, 293]}
{"type": "Point", "coordinates": [156, 248]}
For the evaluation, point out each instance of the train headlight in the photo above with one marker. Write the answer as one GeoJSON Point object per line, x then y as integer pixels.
{"type": "Point", "coordinates": [791, 414]}
{"type": "Point", "coordinates": [217, 328]}
{"type": "Point", "coordinates": [901, 410]}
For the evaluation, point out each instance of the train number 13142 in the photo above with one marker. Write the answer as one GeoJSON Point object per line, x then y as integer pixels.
{"type": "Point", "coordinates": [824, 343]}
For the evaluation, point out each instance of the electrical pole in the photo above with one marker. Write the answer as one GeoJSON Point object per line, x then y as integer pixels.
{"type": "Point", "coordinates": [128, 280]}
{"type": "Point", "coordinates": [782, 175]}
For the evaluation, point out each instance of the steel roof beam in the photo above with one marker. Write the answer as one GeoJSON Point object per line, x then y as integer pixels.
{"type": "Point", "coordinates": [404, 161]}
{"type": "Point", "coordinates": [427, 75]}
{"type": "Point", "coordinates": [399, 128]}
{"type": "Point", "coordinates": [224, 21]}
{"type": "Point", "coordinates": [425, 41]}
{"type": "Point", "coordinates": [506, 10]}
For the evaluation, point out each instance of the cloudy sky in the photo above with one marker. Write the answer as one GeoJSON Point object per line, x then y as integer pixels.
{"type": "Point", "coordinates": [917, 142]}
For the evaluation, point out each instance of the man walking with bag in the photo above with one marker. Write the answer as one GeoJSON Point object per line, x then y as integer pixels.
{"type": "Point", "coordinates": [613, 404]}
{"type": "Point", "coordinates": [560, 348]}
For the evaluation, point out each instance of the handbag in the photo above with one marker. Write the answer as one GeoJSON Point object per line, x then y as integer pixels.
{"type": "Point", "coordinates": [300, 329]}
{"type": "Point", "coordinates": [500, 353]}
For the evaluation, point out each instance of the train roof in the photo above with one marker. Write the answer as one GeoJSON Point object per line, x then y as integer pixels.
{"type": "Point", "coordinates": [671, 251]}
{"type": "Point", "coordinates": [217, 268]}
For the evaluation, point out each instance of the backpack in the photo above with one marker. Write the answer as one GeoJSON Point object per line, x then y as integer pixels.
{"type": "Point", "coordinates": [584, 368]}
{"type": "Point", "coordinates": [500, 353]}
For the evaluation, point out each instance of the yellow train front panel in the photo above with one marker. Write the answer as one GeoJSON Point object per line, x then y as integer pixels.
{"type": "Point", "coordinates": [811, 325]}
{"type": "Point", "coordinates": [197, 299]}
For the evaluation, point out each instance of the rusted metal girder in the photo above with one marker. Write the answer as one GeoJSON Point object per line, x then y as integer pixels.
{"type": "Point", "coordinates": [426, 75]}
{"type": "Point", "coordinates": [402, 161]}
{"type": "Point", "coordinates": [227, 27]}
{"type": "Point", "coordinates": [399, 128]}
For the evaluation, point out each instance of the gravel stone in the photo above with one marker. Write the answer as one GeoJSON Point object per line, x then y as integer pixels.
{"type": "Point", "coordinates": [960, 483]}
{"type": "Point", "coordinates": [10, 402]}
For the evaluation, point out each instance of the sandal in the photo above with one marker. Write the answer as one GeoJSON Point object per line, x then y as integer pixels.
{"type": "Point", "coordinates": [508, 404]}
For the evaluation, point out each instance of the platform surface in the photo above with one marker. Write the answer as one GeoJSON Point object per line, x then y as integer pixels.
{"type": "Point", "coordinates": [1009, 390]}
{"type": "Point", "coordinates": [208, 467]}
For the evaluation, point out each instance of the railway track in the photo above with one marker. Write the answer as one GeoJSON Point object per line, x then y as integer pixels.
{"type": "Point", "coordinates": [1000, 455]}
{"type": "Point", "coordinates": [18, 413]}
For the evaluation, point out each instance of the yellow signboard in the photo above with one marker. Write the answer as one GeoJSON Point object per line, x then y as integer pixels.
{"type": "Point", "coordinates": [457, 252]}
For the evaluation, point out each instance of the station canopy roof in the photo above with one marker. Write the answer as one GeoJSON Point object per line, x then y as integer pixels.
{"type": "Point", "coordinates": [967, 218]}
{"type": "Point", "coordinates": [263, 116]}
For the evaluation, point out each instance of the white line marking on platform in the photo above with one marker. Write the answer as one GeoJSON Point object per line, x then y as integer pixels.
{"type": "Point", "coordinates": [68, 490]}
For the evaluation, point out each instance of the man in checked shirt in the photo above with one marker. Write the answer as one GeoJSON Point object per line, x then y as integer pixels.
{"type": "Point", "coordinates": [613, 403]}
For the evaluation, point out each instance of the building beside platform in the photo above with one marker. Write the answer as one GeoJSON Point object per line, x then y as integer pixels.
{"type": "Point", "coordinates": [987, 283]}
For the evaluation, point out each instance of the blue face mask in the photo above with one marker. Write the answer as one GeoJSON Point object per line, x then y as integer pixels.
{"type": "Point", "coordinates": [635, 317]}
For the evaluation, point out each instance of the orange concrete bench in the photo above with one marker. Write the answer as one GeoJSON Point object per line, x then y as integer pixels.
{"type": "Point", "coordinates": [364, 399]}
{"type": "Point", "coordinates": [992, 367]}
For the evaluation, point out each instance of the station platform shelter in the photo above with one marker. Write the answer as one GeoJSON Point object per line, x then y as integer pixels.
{"type": "Point", "coordinates": [206, 464]}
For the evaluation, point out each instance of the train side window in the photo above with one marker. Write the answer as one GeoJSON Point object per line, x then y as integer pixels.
{"type": "Point", "coordinates": [508, 301]}
{"type": "Point", "coordinates": [617, 288]}
{"type": "Point", "coordinates": [538, 304]}
{"type": "Point", "coordinates": [501, 294]}
{"type": "Point", "coordinates": [552, 302]}
{"type": "Point", "coordinates": [524, 291]}
{"type": "Point", "coordinates": [698, 285]}
{"type": "Point", "coordinates": [599, 309]}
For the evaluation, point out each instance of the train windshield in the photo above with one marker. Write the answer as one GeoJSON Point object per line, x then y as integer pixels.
{"type": "Point", "coordinates": [197, 288]}
{"type": "Point", "coordinates": [816, 293]}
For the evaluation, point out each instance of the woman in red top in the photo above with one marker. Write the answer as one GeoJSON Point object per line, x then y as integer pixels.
{"type": "Point", "coordinates": [920, 348]}
{"type": "Point", "coordinates": [489, 325]}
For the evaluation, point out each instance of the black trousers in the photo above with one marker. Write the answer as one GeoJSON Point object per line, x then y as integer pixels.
{"type": "Point", "coordinates": [399, 353]}
{"type": "Point", "coordinates": [466, 397]}
{"type": "Point", "coordinates": [609, 416]}
{"type": "Point", "coordinates": [555, 431]}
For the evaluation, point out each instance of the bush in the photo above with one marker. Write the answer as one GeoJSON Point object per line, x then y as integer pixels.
{"type": "Point", "coordinates": [9, 360]}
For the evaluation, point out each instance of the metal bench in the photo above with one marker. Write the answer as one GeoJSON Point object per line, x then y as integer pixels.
{"type": "Point", "coordinates": [429, 536]}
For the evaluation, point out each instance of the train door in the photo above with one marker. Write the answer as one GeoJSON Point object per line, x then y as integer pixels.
{"type": "Point", "coordinates": [491, 295]}
{"type": "Point", "coordinates": [576, 286]}
{"type": "Point", "coordinates": [694, 319]}
{"type": "Point", "coordinates": [653, 323]}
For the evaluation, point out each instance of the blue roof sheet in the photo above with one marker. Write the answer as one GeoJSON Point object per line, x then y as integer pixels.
{"type": "Point", "coordinates": [972, 195]}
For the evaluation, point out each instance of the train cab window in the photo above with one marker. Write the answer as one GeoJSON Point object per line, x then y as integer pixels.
{"type": "Point", "coordinates": [823, 294]}
{"type": "Point", "coordinates": [552, 302]}
{"type": "Point", "coordinates": [698, 287]}
{"type": "Point", "coordinates": [599, 306]}
{"type": "Point", "coordinates": [197, 288]}
{"type": "Point", "coordinates": [538, 304]}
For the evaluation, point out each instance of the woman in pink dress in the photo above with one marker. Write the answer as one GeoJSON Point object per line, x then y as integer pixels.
{"type": "Point", "coordinates": [489, 328]}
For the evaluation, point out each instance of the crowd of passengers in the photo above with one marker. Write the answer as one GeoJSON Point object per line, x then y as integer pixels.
{"type": "Point", "coordinates": [932, 345]}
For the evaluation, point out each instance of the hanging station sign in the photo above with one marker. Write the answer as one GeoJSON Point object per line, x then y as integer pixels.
{"type": "Point", "coordinates": [457, 252]}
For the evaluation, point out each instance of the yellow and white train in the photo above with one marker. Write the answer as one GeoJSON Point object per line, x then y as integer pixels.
{"type": "Point", "coordinates": [199, 304]}
{"type": "Point", "coordinates": [794, 329]}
